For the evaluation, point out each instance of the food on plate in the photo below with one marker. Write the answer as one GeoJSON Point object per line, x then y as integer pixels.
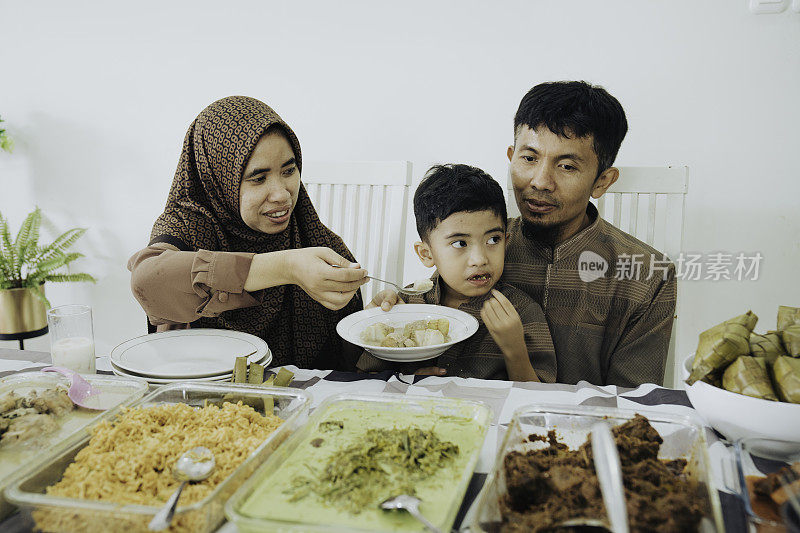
{"type": "Point", "coordinates": [767, 494]}
{"type": "Point", "coordinates": [722, 344]}
{"type": "Point", "coordinates": [786, 372]}
{"type": "Point", "coordinates": [788, 316]}
{"type": "Point", "coordinates": [768, 346]}
{"type": "Point", "coordinates": [772, 488]}
{"type": "Point", "coordinates": [413, 334]}
{"type": "Point", "coordinates": [791, 339]}
{"type": "Point", "coordinates": [29, 416]}
{"type": "Point", "coordinates": [390, 461]}
{"type": "Point", "coordinates": [550, 484]}
{"type": "Point", "coordinates": [748, 375]}
{"type": "Point", "coordinates": [358, 456]}
{"type": "Point", "coordinates": [129, 460]}
{"type": "Point", "coordinates": [422, 285]}
{"type": "Point", "coordinates": [36, 415]}
{"type": "Point", "coordinates": [768, 369]}
{"type": "Point", "coordinates": [253, 374]}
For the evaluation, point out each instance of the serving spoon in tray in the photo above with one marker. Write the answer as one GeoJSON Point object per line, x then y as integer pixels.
{"type": "Point", "coordinates": [194, 465]}
{"type": "Point", "coordinates": [410, 504]}
{"type": "Point", "coordinates": [609, 475]}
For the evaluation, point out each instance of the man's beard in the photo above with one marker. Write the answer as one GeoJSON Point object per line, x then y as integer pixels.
{"type": "Point", "coordinates": [546, 233]}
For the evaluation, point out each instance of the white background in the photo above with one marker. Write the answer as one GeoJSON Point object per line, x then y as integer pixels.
{"type": "Point", "coordinates": [99, 96]}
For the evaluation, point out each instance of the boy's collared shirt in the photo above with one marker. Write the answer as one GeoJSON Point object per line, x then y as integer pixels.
{"type": "Point", "coordinates": [479, 356]}
{"type": "Point", "coordinates": [612, 329]}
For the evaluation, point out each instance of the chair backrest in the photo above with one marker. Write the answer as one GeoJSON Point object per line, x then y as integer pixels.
{"type": "Point", "coordinates": [648, 203]}
{"type": "Point", "coordinates": [366, 204]}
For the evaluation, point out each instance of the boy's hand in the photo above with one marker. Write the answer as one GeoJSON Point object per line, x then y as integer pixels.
{"type": "Point", "coordinates": [386, 299]}
{"type": "Point", "coordinates": [502, 321]}
{"type": "Point", "coordinates": [431, 371]}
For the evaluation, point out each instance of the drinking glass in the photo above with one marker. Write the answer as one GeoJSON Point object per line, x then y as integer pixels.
{"type": "Point", "coordinates": [72, 337]}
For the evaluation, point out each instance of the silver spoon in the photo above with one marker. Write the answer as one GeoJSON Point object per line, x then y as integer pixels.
{"type": "Point", "coordinates": [609, 474]}
{"type": "Point", "coordinates": [194, 465]}
{"type": "Point", "coordinates": [410, 504]}
{"type": "Point", "coordinates": [408, 291]}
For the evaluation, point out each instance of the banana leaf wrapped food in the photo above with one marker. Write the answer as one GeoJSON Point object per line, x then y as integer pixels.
{"type": "Point", "coordinates": [768, 346]}
{"type": "Point", "coordinates": [714, 378]}
{"type": "Point", "coordinates": [791, 340]}
{"type": "Point", "coordinates": [721, 345]}
{"type": "Point", "coordinates": [748, 375]}
{"type": "Point", "coordinates": [788, 316]}
{"type": "Point", "coordinates": [786, 372]}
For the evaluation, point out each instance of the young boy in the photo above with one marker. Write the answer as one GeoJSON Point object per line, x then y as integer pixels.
{"type": "Point", "coordinates": [461, 220]}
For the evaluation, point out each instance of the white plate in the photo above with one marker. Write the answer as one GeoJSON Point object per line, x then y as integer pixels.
{"type": "Point", "coordinates": [163, 381]}
{"type": "Point", "coordinates": [188, 353]}
{"type": "Point", "coordinates": [224, 376]}
{"type": "Point", "coordinates": [462, 326]}
{"type": "Point", "coordinates": [201, 378]}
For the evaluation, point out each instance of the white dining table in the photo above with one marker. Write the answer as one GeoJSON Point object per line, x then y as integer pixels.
{"type": "Point", "coordinates": [503, 397]}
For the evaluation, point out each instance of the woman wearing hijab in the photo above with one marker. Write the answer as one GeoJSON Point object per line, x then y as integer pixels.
{"type": "Point", "coordinates": [240, 246]}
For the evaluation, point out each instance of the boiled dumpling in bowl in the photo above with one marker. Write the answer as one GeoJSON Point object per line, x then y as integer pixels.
{"type": "Point", "coordinates": [393, 340]}
{"type": "Point", "coordinates": [412, 335]}
{"type": "Point", "coordinates": [376, 333]}
{"type": "Point", "coordinates": [411, 327]}
{"type": "Point", "coordinates": [442, 324]}
{"type": "Point", "coordinates": [428, 337]}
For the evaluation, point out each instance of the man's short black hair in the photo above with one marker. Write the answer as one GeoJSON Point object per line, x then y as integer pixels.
{"type": "Point", "coordinates": [448, 189]}
{"type": "Point", "coordinates": [576, 108]}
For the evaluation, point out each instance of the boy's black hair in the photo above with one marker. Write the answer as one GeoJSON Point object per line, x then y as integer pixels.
{"type": "Point", "coordinates": [448, 189]}
{"type": "Point", "coordinates": [576, 108]}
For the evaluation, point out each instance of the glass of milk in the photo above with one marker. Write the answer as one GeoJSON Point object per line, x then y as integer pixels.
{"type": "Point", "coordinates": [72, 337]}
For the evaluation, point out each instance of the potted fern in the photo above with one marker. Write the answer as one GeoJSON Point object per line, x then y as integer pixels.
{"type": "Point", "coordinates": [24, 268]}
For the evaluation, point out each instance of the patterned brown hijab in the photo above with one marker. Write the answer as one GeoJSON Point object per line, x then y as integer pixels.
{"type": "Point", "coordinates": [202, 212]}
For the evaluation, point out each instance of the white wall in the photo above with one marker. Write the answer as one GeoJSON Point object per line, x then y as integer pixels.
{"type": "Point", "coordinates": [99, 95]}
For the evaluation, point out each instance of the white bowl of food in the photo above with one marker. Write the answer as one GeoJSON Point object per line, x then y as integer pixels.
{"type": "Point", "coordinates": [409, 332]}
{"type": "Point", "coordinates": [737, 416]}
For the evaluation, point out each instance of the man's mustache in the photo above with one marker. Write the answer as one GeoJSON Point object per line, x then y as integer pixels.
{"type": "Point", "coordinates": [544, 199]}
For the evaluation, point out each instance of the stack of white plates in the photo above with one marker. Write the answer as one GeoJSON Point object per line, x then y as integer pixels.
{"type": "Point", "coordinates": [187, 355]}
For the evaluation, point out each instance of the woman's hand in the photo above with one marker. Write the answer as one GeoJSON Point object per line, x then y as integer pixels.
{"type": "Point", "coordinates": [311, 269]}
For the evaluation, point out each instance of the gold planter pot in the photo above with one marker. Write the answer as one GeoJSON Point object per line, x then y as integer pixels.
{"type": "Point", "coordinates": [21, 312]}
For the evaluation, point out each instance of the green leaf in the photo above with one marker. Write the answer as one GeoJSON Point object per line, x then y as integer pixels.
{"type": "Point", "coordinates": [6, 142]}
{"type": "Point", "coordinates": [39, 293]}
{"type": "Point", "coordinates": [32, 244]}
{"type": "Point", "coordinates": [70, 277]}
{"type": "Point", "coordinates": [6, 245]}
{"type": "Point", "coordinates": [58, 246]}
{"type": "Point", "coordinates": [27, 232]}
{"type": "Point", "coordinates": [48, 266]}
{"type": "Point", "coordinates": [64, 241]}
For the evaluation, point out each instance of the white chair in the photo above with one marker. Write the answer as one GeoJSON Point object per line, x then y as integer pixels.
{"type": "Point", "coordinates": [365, 203]}
{"type": "Point", "coordinates": [648, 203]}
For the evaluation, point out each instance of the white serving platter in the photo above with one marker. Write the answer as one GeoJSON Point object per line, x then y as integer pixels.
{"type": "Point", "coordinates": [188, 353]}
